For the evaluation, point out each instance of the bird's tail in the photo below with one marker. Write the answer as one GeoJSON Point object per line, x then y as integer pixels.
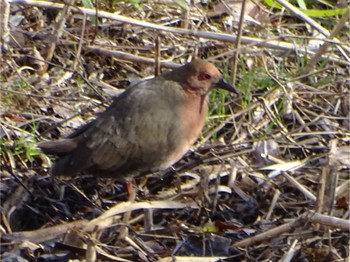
{"type": "Point", "coordinates": [62, 146]}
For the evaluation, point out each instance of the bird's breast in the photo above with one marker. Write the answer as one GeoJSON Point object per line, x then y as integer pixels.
{"type": "Point", "coordinates": [190, 122]}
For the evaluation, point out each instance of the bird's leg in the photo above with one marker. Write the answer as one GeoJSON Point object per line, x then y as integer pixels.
{"type": "Point", "coordinates": [124, 230]}
{"type": "Point", "coordinates": [148, 212]}
{"type": "Point", "coordinates": [129, 186]}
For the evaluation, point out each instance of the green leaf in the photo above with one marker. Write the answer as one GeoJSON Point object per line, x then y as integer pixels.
{"type": "Point", "coordinates": [183, 4]}
{"type": "Point", "coordinates": [326, 13]}
{"type": "Point", "coordinates": [272, 3]}
{"type": "Point", "coordinates": [302, 4]}
{"type": "Point", "coordinates": [90, 5]}
{"type": "Point", "coordinates": [311, 12]}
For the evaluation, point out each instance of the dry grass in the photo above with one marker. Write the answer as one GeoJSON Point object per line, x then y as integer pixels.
{"type": "Point", "coordinates": [267, 181]}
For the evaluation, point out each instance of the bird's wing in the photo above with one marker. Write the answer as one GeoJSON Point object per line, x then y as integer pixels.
{"type": "Point", "coordinates": [131, 134]}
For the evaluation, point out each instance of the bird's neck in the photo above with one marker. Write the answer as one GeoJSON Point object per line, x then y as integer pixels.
{"type": "Point", "coordinates": [178, 75]}
{"type": "Point", "coordinates": [197, 102]}
{"type": "Point", "coordinates": [194, 111]}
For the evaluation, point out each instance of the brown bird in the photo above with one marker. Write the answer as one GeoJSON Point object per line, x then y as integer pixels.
{"type": "Point", "coordinates": [149, 127]}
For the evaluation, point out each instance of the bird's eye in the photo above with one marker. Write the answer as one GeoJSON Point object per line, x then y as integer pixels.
{"type": "Point", "coordinates": [204, 76]}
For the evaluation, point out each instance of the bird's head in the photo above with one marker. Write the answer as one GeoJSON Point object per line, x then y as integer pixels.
{"type": "Point", "coordinates": [201, 76]}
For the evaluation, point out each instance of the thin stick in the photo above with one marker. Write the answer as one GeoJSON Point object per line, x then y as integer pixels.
{"type": "Point", "coordinates": [318, 55]}
{"type": "Point", "coordinates": [270, 233]}
{"type": "Point", "coordinates": [291, 251]}
{"type": "Point", "coordinates": [299, 186]}
{"type": "Point", "coordinates": [57, 33]}
{"type": "Point", "coordinates": [4, 22]}
{"type": "Point", "coordinates": [238, 43]}
{"type": "Point", "coordinates": [157, 58]}
{"type": "Point", "coordinates": [312, 23]}
{"type": "Point", "coordinates": [334, 222]}
{"type": "Point", "coordinates": [273, 203]}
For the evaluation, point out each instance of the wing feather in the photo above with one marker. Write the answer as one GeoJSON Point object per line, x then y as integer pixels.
{"type": "Point", "coordinates": [128, 136]}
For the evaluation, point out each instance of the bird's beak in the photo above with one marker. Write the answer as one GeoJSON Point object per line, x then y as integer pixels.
{"type": "Point", "coordinates": [226, 86]}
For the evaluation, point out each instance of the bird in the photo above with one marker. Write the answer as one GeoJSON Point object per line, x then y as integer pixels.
{"type": "Point", "coordinates": [147, 128]}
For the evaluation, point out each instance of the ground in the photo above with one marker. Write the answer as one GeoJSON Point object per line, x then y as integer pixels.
{"type": "Point", "coordinates": [268, 180]}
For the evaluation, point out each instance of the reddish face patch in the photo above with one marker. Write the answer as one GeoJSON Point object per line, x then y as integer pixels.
{"type": "Point", "coordinates": [204, 76]}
